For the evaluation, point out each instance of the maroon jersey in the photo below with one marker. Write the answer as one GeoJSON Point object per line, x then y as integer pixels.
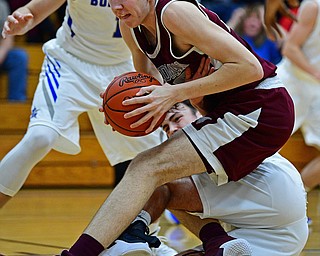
{"type": "Point", "coordinates": [172, 65]}
{"type": "Point", "coordinates": [244, 125]}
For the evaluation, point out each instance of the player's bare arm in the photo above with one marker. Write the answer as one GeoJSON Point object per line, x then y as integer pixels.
{"type": "Point", "coordinates": [216, 43]}
{"type": "Point", "coordinates": [297, 37]}
{"type": "Point", "coordinates": [27, 17]}
{"type": "Point", "coordinates": [241, 68]}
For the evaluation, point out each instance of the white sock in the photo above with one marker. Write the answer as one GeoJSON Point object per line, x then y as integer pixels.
{"type": "Point", "coordinates": [143, 216]}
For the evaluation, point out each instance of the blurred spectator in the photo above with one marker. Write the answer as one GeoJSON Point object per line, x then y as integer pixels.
{"type": "Point", "coordinates": [43, 32]}
{"type": "Point", "coordinates": [225, 8]}
{"type": "Point", "coordinates": [13, 61]}
{"type": "Point", "coordinates": [250, 27]}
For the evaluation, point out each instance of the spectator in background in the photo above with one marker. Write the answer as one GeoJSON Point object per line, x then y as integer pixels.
{"type": "Point", "coordinates": [250, 27]}
{"type": "Point", "coordinates": [13, 61]}
{"type": "Point", "coordinates": [225, 8]}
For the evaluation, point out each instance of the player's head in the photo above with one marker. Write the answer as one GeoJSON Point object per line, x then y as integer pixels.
{"type": "Point", "coordinates": [180, 115]}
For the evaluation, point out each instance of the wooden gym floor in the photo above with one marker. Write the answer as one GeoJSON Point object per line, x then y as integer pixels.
{"type": "Point", "coordinates": [45, 221]}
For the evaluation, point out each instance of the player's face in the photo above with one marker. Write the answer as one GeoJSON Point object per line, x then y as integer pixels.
{"type": "Point", "coordinates": [131, 12]}
{"type": "Point", "coordinates": [178, 117]}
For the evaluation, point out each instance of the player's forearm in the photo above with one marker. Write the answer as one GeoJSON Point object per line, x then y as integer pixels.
{"type": "Point", "coordinates": [297, 57]}
{"type": "Point", "coordinates": [40, 9]}
{"type": "Point", "coordinates": [229, 76]}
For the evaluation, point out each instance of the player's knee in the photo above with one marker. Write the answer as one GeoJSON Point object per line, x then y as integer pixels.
{"type": "Point", "coordinates": [38, 138]}
{"type": "Point", "coordinates": [143, 167]}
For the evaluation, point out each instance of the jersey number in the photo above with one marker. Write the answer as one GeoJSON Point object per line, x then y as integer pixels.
{"type": "Point", "coordinates": [104, 3]}
{"type": "Point", "coordinates": [101, 2]}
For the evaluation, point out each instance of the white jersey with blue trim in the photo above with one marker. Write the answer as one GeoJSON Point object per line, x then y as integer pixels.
{"type": "Point", "coordinates": [90, 31]}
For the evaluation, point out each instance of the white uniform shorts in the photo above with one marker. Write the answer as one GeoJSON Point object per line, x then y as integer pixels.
{"type": "Point", "coordinates": [305, 93]}
{"type": "Point", "coordinates": [251, 124]}
{"type": "Point", "coordinates": [68, 87]}
{"type": "Point", "coordinates": [267, 207]}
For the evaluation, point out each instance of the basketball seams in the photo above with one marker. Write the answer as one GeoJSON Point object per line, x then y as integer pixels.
{"type": "Point", "coordinates": [126, 86]}
{"type": "Point", "coordinates": [132, 133]}
{"type": "Point", "coordinates": [114, 95]}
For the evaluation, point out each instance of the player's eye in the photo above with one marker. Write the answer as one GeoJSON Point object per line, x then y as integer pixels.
{"type": "Point", "coordinates": [177, 118]}
{"type": "Point", "coordinates": [165, 128]}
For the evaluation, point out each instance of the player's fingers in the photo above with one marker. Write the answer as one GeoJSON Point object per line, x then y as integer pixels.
{"type": "Point", "coordinates": [4, 34]}
{"type": "Point", "coordinates": [198, 73]}
{"type": "Point", "coordinates": [155, 120]}
{"type": "Point", "coordinates": [27, 17]}
{"type": "Point", "coordinates": [153, 123]}
{"type": "Point", "coordinates": [136, 112]}
{"type": "Point", "coordinates": [141, 121]}
{"type": "Point", "coordinates": [22, 17]}
{"type": "Point", "coordinates": [12, 19]}
{"type": "Point", "coordinates": [202, 64]}
{"type": "Point", "coordinates": [206, 69]}
{"type": "Point", "coordinates": [188, 74]}
{"type": "Point", "coordinates": [146, 90]}
{"type": "Point", "coordinates": [102, 94]}
{"type": "Point", "coordinates": [135, 100]}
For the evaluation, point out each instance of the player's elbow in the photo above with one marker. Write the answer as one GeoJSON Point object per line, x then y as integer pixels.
{"type": "Point", "coordinates": [255, 70]}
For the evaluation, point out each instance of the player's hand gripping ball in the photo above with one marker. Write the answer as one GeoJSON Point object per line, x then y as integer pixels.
{"type": "Point", "coordinates": [121, 88]}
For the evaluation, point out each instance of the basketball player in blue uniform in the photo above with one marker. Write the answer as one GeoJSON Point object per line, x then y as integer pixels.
{"type": "Point", "coordinates": [87, 53]}
{"type": "Point", "coordinates": [247, 113]}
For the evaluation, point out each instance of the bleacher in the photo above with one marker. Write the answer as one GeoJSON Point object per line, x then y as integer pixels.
{"type": "Point", "coordinates": [90, 168]}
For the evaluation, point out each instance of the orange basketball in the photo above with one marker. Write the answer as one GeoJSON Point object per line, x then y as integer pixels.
{"type": "Point", "coordinates": [121, 88]}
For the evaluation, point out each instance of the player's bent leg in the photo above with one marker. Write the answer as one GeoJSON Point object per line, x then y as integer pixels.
{"type": "Point", "coordinates": [17, 164]}
{"type": "Point", "coordinates": [173, 159]}
{"type": "Point", "coordinates": [216, 241]}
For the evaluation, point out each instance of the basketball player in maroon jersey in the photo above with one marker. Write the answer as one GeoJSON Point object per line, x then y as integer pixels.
{"type": "Point", "coordinates": [248, 114]}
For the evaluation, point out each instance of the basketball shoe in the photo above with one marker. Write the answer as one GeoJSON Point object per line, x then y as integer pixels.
{"type": "Point", "coordinates": [136, 241]}
{"type": "Point", "coordinates": [163, 249]}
